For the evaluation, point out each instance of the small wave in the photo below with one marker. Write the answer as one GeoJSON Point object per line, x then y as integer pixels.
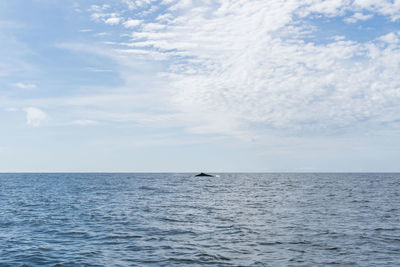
{"type": "Point", "coordinates": [386, 229]}
{"type": "Point", "coordinates": [148, 188]}
{"type": "Point", "coordinates": [270, 243]}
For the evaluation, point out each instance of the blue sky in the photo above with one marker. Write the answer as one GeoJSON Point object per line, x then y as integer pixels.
{"type": "Point", "coordinates": [186, 85]}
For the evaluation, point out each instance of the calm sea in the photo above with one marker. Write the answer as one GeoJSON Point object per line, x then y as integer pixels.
{"type": "Point", "coordinates": [181, 220]}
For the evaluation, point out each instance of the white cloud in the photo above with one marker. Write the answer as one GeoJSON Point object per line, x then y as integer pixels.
{"type": "Point", "coordinates": [102, 34]}
{"type": "Point", "coordinates": [357, 17]}
{"type": "Point", "coordinates": [85, 30]}
{"type": "Point", "coordinates": [34, 116]}
{"type": "Point", "coordinates": [338, 38]}
{"type": "Point", "coordinates": [244, 67]}
{"type": "Point", "coordinates": [112, 21]}
{"type": "Point", "coordinates": [107, 18]}
{"type": "Point", "coordinates": [382, 7]}
{"type": "Point", "coordinates": [92, 69]}
{"type": "Point", "coordinates": [134, 4]}
{"type": "Point", "coordinates": [129, 3]}
{"type": "Point", "coordinates": [98, 8]}
{"type": "Point", "coordinates": [131, 23]}
{"type": "Point", "coordinates": [25, 85]}
{"type": "Point", "coordinates": [390, 38]}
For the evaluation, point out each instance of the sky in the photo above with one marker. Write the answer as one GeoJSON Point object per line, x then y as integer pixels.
{"type": "Point", "coordinates": [190, 85]}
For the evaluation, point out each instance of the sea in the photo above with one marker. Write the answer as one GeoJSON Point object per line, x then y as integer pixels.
{"type": "Point", "coordinates": [177, 219]}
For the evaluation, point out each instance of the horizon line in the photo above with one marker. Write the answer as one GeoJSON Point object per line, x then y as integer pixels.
{"type": "Point", "coordinates": [159, 172]}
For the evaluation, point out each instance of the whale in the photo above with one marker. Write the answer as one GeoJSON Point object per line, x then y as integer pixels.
{"type": "Point", "coordinates": [204, 175]}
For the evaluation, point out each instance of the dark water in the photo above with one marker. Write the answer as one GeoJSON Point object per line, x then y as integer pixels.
{"type": "Point", "coordinates": [176, 219]}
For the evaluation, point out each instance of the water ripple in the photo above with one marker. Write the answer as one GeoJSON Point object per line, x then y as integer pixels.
{"type": "Point", "coordinates": [180, 220]}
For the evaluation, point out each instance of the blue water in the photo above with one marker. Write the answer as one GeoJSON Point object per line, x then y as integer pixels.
{"type": "Point", "coordinates": [176, 219]}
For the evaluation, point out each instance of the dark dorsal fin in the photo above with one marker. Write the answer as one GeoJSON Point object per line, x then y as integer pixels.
{"type": "Point", "coordinates": [204, 174]}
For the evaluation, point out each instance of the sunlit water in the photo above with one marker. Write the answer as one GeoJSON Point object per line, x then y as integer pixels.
{"type": "Point", "coordinates": [178, 219]}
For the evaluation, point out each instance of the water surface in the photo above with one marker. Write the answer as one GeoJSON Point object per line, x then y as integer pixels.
{"type": "Point", "coordinates": [177, 219]}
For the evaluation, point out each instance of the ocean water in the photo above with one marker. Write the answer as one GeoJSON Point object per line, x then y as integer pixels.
{"type": "Point", "coordinates": [181, 220]}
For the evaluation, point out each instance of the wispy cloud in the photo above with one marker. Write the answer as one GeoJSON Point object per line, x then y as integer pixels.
{"type": "Point", "coordinates": [85, 30]}
{"type": "Point", "coordinates": [244, 68]}
{"type": "Point", "coordinates": [102, 34]}
{"type": "Point", "coordinates": [25, 85]}
{"type": "Point", "coordinates": [92, 69]}
{"type": "Point", "coordinates": [112, 21]}
{"type": "Point", "coordinates": [357, 17]}
{"type": "Point", "coordinates": [13, 52]}
{"type": "Point", "coordinates": [238, 64]}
